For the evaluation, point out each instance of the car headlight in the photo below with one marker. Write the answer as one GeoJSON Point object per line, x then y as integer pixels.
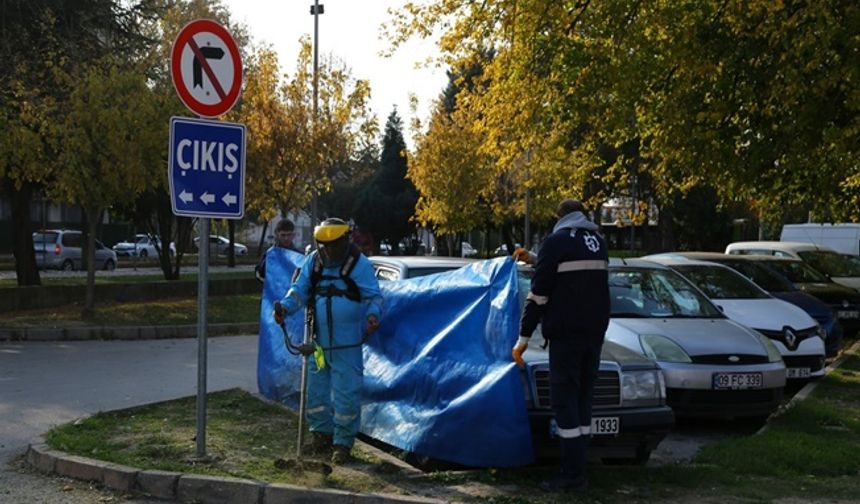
{"type": "Point", "coordinates": [773, 354]}
{"type": "Point", "coordinates": [638, 385]}
{"type": "Point", "coordinates": [661, 348]}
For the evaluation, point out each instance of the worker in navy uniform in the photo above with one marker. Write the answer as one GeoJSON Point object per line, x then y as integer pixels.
{"type": "Point", "coordinates": [339, 284]}
{"type": "Point", "coordinates": [569, 297]}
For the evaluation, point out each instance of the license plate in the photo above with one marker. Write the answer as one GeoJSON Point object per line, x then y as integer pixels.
{"type": "Point", "coordinates": [848, 314]}
{"type": "Point", "coordinates": [599, 426]}
{"type": "Point", "coordinates": [604, 425]}
{"type": "Point", "coordinates": [737, 381]}
{"type": "Point", "coordinates": [797, 372]}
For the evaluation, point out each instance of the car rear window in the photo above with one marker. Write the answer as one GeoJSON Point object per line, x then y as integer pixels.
{"type": "Point", "coordinates": [44, 237]}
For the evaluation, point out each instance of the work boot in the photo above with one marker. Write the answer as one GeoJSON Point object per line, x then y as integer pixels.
{"type": "Point", "coordinates": [564, 483]}
{"type": "Point", "coordinates": [341, 455]}
{"type": "Point", "coordinates": [320, 443]}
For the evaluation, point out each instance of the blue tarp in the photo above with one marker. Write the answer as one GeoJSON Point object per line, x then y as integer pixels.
{"type": "Point", "coordinates": [438, 376]}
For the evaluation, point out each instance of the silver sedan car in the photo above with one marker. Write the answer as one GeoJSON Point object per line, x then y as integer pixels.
{"type": "Point", "coordinates": [712, 365]}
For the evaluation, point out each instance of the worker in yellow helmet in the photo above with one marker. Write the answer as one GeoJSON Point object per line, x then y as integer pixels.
{"type": "Point", "coordinates": [339, 285]}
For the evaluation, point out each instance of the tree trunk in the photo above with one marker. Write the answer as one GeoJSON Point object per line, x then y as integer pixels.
{"type": "Point", "coordinates": [93, 217]}
{"type": "Point", "coordinates": [22, 236]}
{"type": "Point", "coordinates": [231, 253]}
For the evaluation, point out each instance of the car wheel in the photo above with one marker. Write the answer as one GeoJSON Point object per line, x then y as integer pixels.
{"type": "Point", "coordinates": [144, 253]}
{"type": "Point", "coordinates": [110, 265]}
{"type": "Point", "coordinates": [68, 265]}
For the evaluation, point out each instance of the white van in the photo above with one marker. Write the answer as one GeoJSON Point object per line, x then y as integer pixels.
{"type": "Point", "coordinates": [843, 238]}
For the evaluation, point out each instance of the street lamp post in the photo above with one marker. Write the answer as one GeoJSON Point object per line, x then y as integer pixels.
{"type": "Point", "coordinates": [316, 10]}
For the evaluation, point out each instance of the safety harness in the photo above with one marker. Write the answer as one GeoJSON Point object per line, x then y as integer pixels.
{"type": "Point", "coordinates": [329, 291]}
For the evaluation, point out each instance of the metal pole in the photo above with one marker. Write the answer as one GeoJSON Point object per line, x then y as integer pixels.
{"type": "Point", "coordinates": [316, 12]}
{"type": "Point", "coordinates": [202, 298]}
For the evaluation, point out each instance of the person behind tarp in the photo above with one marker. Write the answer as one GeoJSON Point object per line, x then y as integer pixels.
{"type": "Point", "coordinates": [284, 233]}
{"type": "Point", "coordinates": [569, 296]}
{"type": "Point", "coordinates": [339, 284]}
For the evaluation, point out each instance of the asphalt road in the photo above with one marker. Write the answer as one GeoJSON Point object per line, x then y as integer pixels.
{"type": "Point", "coordinates": [220, 266]}
{"type": "Point", "coordinates": [46, 384]}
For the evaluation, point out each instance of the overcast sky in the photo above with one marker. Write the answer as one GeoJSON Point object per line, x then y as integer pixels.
{"type": "Point", "coordinates": [349, 29]}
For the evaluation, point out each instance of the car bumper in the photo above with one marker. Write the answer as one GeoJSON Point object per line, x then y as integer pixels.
{"type": "Point", "coordinates": [640, 431]}
{"type": "Point", "coordinates": [690, 390]}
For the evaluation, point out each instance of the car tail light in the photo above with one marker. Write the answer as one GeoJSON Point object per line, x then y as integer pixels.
{"type": "Point", "coordinates": [57, 250]}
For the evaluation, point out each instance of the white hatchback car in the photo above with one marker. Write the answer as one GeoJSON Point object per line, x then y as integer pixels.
{"type": "Point", "coordinates": [799, 338]}
{"type": "Point", "coordinates": [840, 268]}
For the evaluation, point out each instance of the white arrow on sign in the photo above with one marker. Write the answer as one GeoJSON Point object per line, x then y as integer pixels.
{"type": "Point", "coordinates": [186, 197]}
{"type": "Point", "coordinates": [207, 198]}
{"type": "Point", "coordinates": [229, 199]}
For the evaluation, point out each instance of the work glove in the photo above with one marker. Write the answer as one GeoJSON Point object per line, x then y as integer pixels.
{"type": "Point", "coordinates": [372, 324]}
{"type": "Point", "coordinates": [279, 313]}
{"type": "Point", "coordinates": [518, 350]}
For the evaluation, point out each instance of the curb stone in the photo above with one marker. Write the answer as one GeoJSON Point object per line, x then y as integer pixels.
{"type": "Point", "coordinates": [123, 332]}
{"type": "Point", "coordinates": [183, 487]}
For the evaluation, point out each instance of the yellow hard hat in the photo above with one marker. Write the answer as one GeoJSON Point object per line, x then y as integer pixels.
{"type": "Point", "coordinates": [330, 230]}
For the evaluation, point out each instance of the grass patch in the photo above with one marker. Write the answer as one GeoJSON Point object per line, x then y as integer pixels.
{"type": "Point", "coordinates": [241, 308]}
{"type": "Point", "coordinates": [808, 453]}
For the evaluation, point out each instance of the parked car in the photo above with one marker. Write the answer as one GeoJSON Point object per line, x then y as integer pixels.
{"type": "Point", "coordinates": [400, 267]}
{"type": "Point", "coordinates": [63, 249]}
{"type": "Point", "coordinates": [467, 250]}
{"type": "Point", "coordinates": [630, 412]}
{"type": "Point", "coordinates": [140, 245]}
{"type": "Point", "coordinates": [713, 366]}
{"type": "Point", "coordinates": [838, 267]}
{"type": "Point", "coordinates": [768, 273]}
{"type": "Point", "coordinates": [798, 337]}
{"type": "Point", "coordinates": [220, 245]}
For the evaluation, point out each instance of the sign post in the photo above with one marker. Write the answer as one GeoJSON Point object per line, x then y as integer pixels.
{"type": "Point", "coordinates": [206, 166]}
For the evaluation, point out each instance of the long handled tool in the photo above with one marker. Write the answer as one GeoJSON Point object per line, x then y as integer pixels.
{"type": "Point", "coordinates": [305, 349]}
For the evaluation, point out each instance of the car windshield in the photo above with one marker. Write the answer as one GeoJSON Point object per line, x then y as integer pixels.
{"type": "Point", "coordinates": [647, 293]}
{"type": "Point", "coordinates": [718, 282]}
{"type": "Point", "coordinates": [44, 238]}
{"type": "Point", "coordinates": [798, 271]}
{"type": "Point", "coordinates": [831, 263]}
{"type": "Point", "coordinates": [764, 277]}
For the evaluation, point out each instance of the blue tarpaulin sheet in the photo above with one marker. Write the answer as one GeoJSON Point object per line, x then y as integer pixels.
{"type": "Point", "coordinates": [438, 377]}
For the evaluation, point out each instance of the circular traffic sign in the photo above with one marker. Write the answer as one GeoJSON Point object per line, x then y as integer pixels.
{"type": "Point", "coordinates": [206, 68]}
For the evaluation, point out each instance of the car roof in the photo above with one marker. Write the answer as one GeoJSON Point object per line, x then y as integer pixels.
{"type": "Point", "coordinates": [776, 245]}
{"type": "Point", "coordinates": [615, 262]}
{"type": "Point", "coordinates": [423, 261]}
{"type": "Point", "coordinates": [683, 261]}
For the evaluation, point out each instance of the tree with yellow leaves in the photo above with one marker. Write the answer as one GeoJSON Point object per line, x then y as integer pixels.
{"type": "Point", "coordinates": [105, 146]}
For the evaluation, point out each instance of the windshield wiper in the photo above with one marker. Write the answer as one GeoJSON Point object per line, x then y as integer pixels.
{"type": "Point", "coordinates": [628, 315]}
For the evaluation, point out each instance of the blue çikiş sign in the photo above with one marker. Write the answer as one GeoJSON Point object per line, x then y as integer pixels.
{"type": "Point", "coordinates": [206, 168]}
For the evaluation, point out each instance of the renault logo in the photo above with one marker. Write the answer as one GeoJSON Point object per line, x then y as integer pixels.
{"type": "Point", "coordinates": [734, 358]}
{"type": "Point", "coordinates": [790, 337]}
